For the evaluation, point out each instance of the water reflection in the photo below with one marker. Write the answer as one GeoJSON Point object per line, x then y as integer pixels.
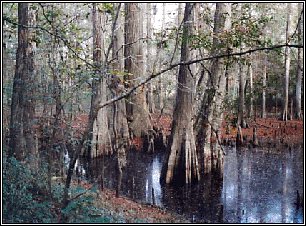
{"type": "Point", "coordinates": [255, 187]}
{"type": "Point", "coordinates": [260, 187]}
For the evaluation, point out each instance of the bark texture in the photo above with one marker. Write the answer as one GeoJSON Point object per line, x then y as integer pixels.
{"type": "Point", "coordinates": [210, 115]}
{"type": "Point", "coordinates": [100, 138]}
{"type": "Point", "coordinates": [182, 163]}
{"type": "Point", "coordinates": [22, 140]}
{"type": "Point", "coordinates": [264, 86]}
{"type": "Point", "coordinates": [149, 56]}
{"type": "Point", "coordinates": [298, 90]}
{"type": "Point", "coordinates": [287, 65]}
{"type": "Point", "coordinates": [137, 109]}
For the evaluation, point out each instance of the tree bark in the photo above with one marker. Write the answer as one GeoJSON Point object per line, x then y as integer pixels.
{"type": "Point", "coordinates": [250, 73]}
{"type": "Point", "coordinates": [100, 141]}
{"type": "Point", "coordinates": [182, 163]}
{"type": "Point", "coordinates": [136, 107]}
{"type": "Point", "coordinates": [210, 114]}
{"type": "Point", "coordinates": [298, 91]}
{"type": "Point", "coordinates": [241, 66]}
{"type": "Point", "coordinates": [287, 65]}
{"type": "Point", "coordinates": [150, 53]}
{"type": "Point", "coordinates": [120, 124]}
{"type": "Point", "coordinates": [117, 85]}
{"type": "Point", "coordinates": [264, 86]}
{"type": "Point", "coordinates": [241, 110]}
{"type": "Point", "coordinates": [22, 141]}
{"type": "Point", "coordinates": [161, 53]}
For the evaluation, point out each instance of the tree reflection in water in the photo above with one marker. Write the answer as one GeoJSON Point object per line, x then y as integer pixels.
{"type": "Point", "coordinates": [256, 186]}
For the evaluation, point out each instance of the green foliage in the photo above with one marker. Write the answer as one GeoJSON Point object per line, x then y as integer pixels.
{"type": "Point", "coordinates": [83, 209]}
{"type": "Point", "coordinates": [202, 40]}
{"type": "Point", "coordinates": [106, 7]}
{"type": "Point", "coordinates": [24, 203]}
{"type": "Point", "coordinates": [21, 204]}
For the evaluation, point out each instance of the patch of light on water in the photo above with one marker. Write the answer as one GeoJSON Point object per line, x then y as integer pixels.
{"type": "Point", "coordinates": [273, 218]}
{"type": "Point", "coordinates": [156, 168]}
{"type": "Point", "coordinates": [147, 191]}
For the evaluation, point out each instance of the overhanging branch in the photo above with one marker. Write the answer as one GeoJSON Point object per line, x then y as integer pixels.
{"type": "Point", "coordinates": [154, 75]}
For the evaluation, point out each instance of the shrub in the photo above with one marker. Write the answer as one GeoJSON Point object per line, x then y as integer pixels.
{"type": "Point", "coordinates": [21, 204]}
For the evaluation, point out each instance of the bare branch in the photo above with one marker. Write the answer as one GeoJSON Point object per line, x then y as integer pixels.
{"type": "Point", "coordinates": [152, 76]}
{"type": "Point", "coordinates": [113, 33]}
{"type": "Point", "coordinates": [297, 25]}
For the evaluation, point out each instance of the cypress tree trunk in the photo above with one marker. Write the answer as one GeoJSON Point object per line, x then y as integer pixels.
{"type": "Point", "coordinates": [241, 107]}
{"type": "Point", "coordinates": [100, 141]}
{"type": "Point", "coordinates": [182, 162]}
{"type": "Point", "coordinates": [264, 86]}
{"type": "Point", "coordinates": [22, 141]}
{"type": "Point", "coordinates": [137, 109]}
{"type": "Point", "coordinates": [210, 115]}
{"type": "Point", "coordinates": [117, 86]}
{"type": "Point", "coordinates": [287, 66]}
{"type": "Point", "coordinates": [150, 53]}
{"type": "Point", "coordinates": [250, 73]}
{"type": "Point", "coordinates": [298, 92]}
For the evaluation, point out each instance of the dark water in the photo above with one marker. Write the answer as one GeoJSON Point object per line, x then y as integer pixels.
{"type": "Point", "coordinates": [254, 187]}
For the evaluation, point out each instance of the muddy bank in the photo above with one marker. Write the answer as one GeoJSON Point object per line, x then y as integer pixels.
{"type": "Point", "coordinates": [131, 211]}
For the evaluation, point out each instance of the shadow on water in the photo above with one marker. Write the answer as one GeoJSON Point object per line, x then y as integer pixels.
{"type": "Point", "coordinates": [255, 187]}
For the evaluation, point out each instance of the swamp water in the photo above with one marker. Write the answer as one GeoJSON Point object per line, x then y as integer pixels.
{"type": "Point", "coordinates": [255, 187]}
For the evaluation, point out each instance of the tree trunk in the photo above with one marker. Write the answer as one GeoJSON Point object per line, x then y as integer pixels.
{"type": "Point", "coordinates": [120, 124]}
{"type": "Point", "coordinates": [149, 58]}
{"type": "Point", "coordinates": [241, 102]}
{"type": "Point", "coordinates": [250, 73]}
{"type": "Point", "coordinates": [117, 86]}
{"type": "Point", "coordinates": [241, 66]}
{"type": "Point", "coordinates": [136, 107]}
{"type": "Point", "coordinates": [210, 115]}
{"type": "Point", "coordinates": [95, 101]}
{"type": "Point", "coordinates": [100, 137]}
{"type": "Point", "coordinates": [287, 65]}
{"type": "Point", "coordinates": [298, 91]}
{"type": "Point", "coordinates": [22, 141]}
{"type": "Point", "coordinates": [161, 53]}
{"type": "Point", "coordinates": [180, 15]}
{"type": "Point", "coordinates": [182, 163]}
{"type": "Point", "coordinates": [264, 86]}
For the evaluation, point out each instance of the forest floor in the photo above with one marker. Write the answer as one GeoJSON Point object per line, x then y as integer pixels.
{"type": "Point", "coordinates": [270, 131]}
{"type": "Point", "coordinates": [131, 211]}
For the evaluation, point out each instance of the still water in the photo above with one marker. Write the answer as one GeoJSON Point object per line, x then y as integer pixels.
{"type": "Point", "coordinates": [255, 187]}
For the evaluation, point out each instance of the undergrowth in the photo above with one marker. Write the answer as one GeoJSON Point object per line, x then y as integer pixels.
{"type": "Point", "coordinates": [26, 199]}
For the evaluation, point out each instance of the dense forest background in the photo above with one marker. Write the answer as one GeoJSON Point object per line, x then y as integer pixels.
{"type": "Point", "coordinates": [86, 80]}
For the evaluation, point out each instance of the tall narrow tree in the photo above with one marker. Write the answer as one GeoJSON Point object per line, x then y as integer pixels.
{"type": "Point", "coordinates": [264, 85]}
{"type": "Point", "coordinates": [117, 86]}
{"type": "Point", "coordinates": [137, 109]}
{"type": "Point", "coordinates": [22, 142]}
{"type": "Point", "coordinates": [120, 124]}
{"type": "Point", "coordinates": [298, 91]}
{"type": "Point", "coordinates": [241, 71]}
{"type": "Point", "coordinates": [100, 136]}
{"type": "Point", "coordinates": [182, 162]}
{"type": "Point", "coordinates": [210, 114]}
{"type": "Point", "coordinates": [287, 65]}
{"type": "Point", "coordinates": [150, 52]}
{"type": "Point", "coordinates": [250, 74]}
